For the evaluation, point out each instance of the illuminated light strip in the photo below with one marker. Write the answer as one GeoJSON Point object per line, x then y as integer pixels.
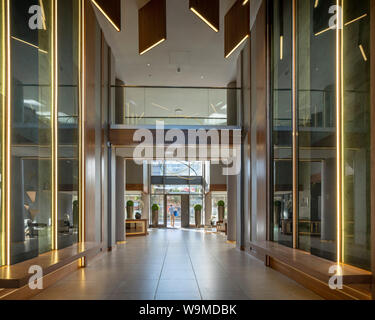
{"type": "Point", "coordinates": [204, 19]}
{"type": "Point", "coordinates": [43, 15]}
{"type": "Point", "coordinates": [30, 44]}
{"type": "Point", "coordinates": [281, 47]}
{"type": "Point", "coordinates": [323, 31]}
{"type": "Point", "coordinates": [356, 19]}
{"type": "Point", "coordinates": [54, 125]}
{"type": "Point", "coordinates": [82, 80]}
{"type": "Point", "coordinates": [316, 4]}
{"type": "Point", "coordinates": [244, 2]}
{"type": "Point", "coordinates": [339, 134]}
{"type": "Point", "coordinates": [363, 52]}
{"type": "Point", "coordinates": [234, 49]}
{"type": "Point", "coordinates": [153, 46]}
{"type": "Point", "coordinates": [3, 167]}
{"type": "Point", "coordinates": [106, 15]}
{"type": "Point", "coordinates": [8, 134]}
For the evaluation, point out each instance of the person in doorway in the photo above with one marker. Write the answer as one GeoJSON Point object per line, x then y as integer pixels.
{"type": "Point", "coordinates": [171, 214]}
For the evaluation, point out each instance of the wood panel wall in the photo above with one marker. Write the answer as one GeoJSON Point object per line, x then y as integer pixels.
{"type": "Point", "coordinates": [237, 25]}
{"type": "Point", "coordinates": [91, 77]}
{"type": "Point", "coordinates": [209, 9]}
{"type": "Point", "coordinates": [259, 126]}
{"type": "Point", "coordinates": [152, 24]}
{"type": "Point", "coordinates": [372, 61]}
{"type": "Point", "coordinates": [112, 9]}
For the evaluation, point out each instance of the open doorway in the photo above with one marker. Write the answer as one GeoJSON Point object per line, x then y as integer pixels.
{"type": "Point", "coordinates": [174, 211]}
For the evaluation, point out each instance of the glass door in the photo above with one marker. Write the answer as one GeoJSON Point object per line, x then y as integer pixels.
{"type": "Point", "coordinates": [173, 212]}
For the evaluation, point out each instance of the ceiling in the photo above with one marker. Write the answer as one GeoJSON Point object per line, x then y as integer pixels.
{"type": "Point", "coordinates": [193, 54]}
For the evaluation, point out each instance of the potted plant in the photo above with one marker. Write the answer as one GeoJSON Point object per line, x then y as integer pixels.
{"type": "Point", "coordinates": [130, 209]}
{"type": "Point", "coordinates": [155, 215]}
{"type": "Point", "coordinates": [221, 210]}
{"type": "Point", "coordinates": [198, 215]}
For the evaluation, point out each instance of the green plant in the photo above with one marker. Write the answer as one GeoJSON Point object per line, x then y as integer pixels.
{"type": "Point", "coordinates": [198, 207]}
{"type": "Point", "coordinates": [221, 203]}
{"type": "Point", "coordinates": [155, 207]}
{"type": "Point", "coordinates": [130, 203]}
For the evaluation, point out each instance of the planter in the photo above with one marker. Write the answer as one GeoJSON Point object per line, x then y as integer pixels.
{"type": "Point", "coordinates": [221, 211]}
{"type": "Point", "coordinates": [198, 218]}
{"type": "Point", "coordinates": [155, 217]}
{"type": "Point", "coordinates": [129, 212]}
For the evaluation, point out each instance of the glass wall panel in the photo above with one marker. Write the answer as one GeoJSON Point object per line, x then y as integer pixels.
{"type": "Point", "coordinates": [159, 200]}
{"type": "Point", "coordinates": [356, 139]}
{"type": "Point", "coordinates": [31, 103]}
{"type": "Point", "coordinates": [2, 103]}
{"type": "Point", "coordinates": [316, 104]}
{"type": "Point", "coordinates": [281, 63]}
{"type": "Point", "coordinates": [68, 114]}
{"type": "Point", "coordinates": [216, 197]}
{"type": "Point", "coordinates": [194, 200]}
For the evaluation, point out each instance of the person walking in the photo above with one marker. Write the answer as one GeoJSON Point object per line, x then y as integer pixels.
{"type": "Point", "coordinates": [171, 214]}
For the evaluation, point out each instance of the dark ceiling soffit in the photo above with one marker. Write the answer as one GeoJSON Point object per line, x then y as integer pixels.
{"type": "Point", "coordinates": [111, 9]}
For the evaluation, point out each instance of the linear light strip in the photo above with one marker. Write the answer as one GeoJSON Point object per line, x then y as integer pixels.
{"type": "Point", "coordinates": [106, 15]}
{"type": "Point", "coordinates": [8, 133]}
{"type": "Point", "coordinates": [54, 125]}
{"type": "Point", "coordinates": [339, 132]}
{"type": "Point", "coordinates": [204, 19]}
{"type": "Point", "coordinates": [363, 52]}
{"type": "Point", "coordinates": [82, 68]}
{"type": "Point", "coordinates": [29, 44]}
{"type": "Point", "coordinates": [244, 2]}
{"type": "Point", "coordinates": [3, 167]}
{"type": "Point", "coordinates": [153, 46]}
{"type": "Point", "coordinates": [234, 49]}
{"type": "Point", "coordinates": [356, 19]}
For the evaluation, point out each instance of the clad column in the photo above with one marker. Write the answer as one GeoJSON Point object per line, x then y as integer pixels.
{"type": "Point", "coordinates": [208, 209]}
{"type": "Point", "coordinates": [120, 199]}
{"type": "Point", "coordinates": [233, 205]}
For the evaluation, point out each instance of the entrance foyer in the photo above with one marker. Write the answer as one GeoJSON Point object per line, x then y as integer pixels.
{"type": "Point", "coordinates": [176, 264]}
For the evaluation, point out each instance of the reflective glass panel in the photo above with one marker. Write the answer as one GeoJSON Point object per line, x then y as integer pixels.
{"type": "Point", "coordinates": [31, 102]}
{"type": "Point", "coordinates": [282, 218]}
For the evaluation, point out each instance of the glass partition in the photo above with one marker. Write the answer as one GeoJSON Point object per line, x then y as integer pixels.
{"type": "Point", "coordinates": [282, 220]}
{"type": "Point", "coordinates": [357, 134]}
{"type": "Point", "coordinates": [68, 115]}
{"type": "Point", "coordinates": [31, 145]}
{"type": "Point", "coordinates": [317, 109]}
{"type": "Point", "coordinates": [331, 84]}
{"type": "Point", "coordinates": [216, 197]}
{"type": "Point", "coordinates": [194, 200]}
{"type": "Point", "coordinates": [174, 106]}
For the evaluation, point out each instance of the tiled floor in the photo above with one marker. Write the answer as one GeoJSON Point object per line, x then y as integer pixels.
{"type": "Point", "coordinates": [173, 265]}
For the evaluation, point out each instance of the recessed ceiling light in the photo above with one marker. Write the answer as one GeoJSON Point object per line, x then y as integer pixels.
{"type": "Point", "coordinates": [148, 64]}
{"type": "Point", "coordinates": [202, 77]}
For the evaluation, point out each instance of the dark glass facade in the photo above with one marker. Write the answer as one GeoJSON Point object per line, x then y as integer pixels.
{"type": "Point", "coordinates": [332, 113]}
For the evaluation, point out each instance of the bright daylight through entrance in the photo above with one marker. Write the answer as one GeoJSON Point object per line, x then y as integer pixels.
{"type": "Point", "coordinates": [187, 150]}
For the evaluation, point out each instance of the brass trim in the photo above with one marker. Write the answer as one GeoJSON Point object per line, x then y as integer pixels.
{"type": "Point", "coordinates": [54, 123]}
{"type": "Point", "coordinates": [82, 79]}
{"type": "Point", "coordinates": [7, 136]}
{"type": "Point", "coordinates": [295, 124]}
{"type": "Point", "coordinates": [339, 118]}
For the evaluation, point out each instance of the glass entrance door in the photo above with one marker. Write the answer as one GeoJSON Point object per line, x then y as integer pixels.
{"type": "Point", "coordinates": [173, 211]}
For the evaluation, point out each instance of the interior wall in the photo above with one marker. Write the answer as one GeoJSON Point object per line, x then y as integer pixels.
{"type": "Point", "coordinates": [258, 126]}
{"type": "Point", "coordinates": [100, 69]}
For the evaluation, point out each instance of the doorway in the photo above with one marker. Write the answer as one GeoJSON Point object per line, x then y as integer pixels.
{"type": "Point", "coordinates": [173, 211]}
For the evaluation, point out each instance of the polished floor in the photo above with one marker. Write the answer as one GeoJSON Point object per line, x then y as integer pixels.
{"type": "Point", "coordinates": [176, 264]}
